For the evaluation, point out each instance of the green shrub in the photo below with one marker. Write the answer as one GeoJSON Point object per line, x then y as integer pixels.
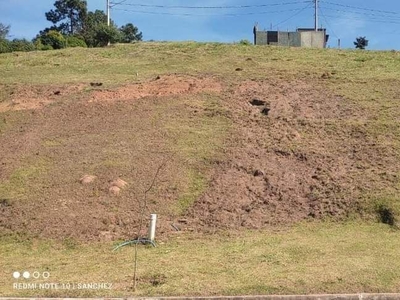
{"type": "Point", "coordinates": [22, 45]}
{"type": "Point", "coordinates": [5, 46]}
{"type": "Point", "coordinates": [38, 44]}
{"type": "Point", "coordinates": [105, 34]}
{"type": "Point", "coordinates": [54, 39]}
{"type": "Point", "coordinates": [387, 209]}
{"type": "Point", "coordinates": [73, 41]}
{"type": "Point", "coordinates": [46, 47]}
{"type": "Point", "coordinates": [245, 42]}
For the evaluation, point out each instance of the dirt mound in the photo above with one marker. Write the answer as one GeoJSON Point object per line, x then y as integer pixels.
{"type": "Point", "coordinates": [37, 97]}
{"type": "Point", "coordinates": [165, 85]}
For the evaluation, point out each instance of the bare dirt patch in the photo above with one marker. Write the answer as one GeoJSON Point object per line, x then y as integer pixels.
{"type": "Point", "coordinates": [309, 156]}
{"type": "Point", "coordinates": [165, 85]}
{"type": "Point", "coordinates": [36, 97]}
{"type": "Point", "coordinates": [123, 143]}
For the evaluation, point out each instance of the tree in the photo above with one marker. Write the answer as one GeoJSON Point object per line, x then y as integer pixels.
{"type": "Point", "coordinates": [95, 31]}
{"type": "Point", "coordinates": [361, 42]}
{"type": "Point", "coordinates": [93, 21]}
{"type": "Point", "coordinates": [4, 30]}
{"type": "Point", "coordinates": [68, 16]}
{"type": "Point", "coordinates": [53, 39]}
{"type": "Point", "coordinates": [130, 33]}
{"type": "Point", "coordinates": [71, 18]}
{"type": "Point", "coordinates": [106, 34]}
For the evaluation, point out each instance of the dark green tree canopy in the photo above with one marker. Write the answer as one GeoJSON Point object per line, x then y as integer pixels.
{"type": "Point", "coordinates": [72, 19]}
{"type": "Point", "coordinates": [361, 42]}
{"type": "Point", "coordinates": [68, 16]}
{"type": "Point", "coordinates": [54, 39]}
{"type": "Point", "coordinates": [96, 32]}
{"type": "Point", "coordinates": [4, 30]}
{"type": "Point", "coordinates": [130, 33]}
{"type": "Point", "coordinates": [93, 21]}
{"type": "Point", "coordinates": [105, 34]}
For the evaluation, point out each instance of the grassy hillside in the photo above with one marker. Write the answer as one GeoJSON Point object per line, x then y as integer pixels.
{"type": "Point", "coordinates": [297, 195]}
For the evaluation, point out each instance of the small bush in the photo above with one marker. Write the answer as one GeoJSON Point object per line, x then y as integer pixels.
{"type": "Point", "coordinates": [5, 46]}
{"type": "Point", "coordinates": [39, 46]}
{"type": "Point", "coordinates": [73, 41]}
{"type": "Point", "coordinates": [386, 215]}
{"type": "Point", "coordinates": [387, 210]}
{"type": "Point", "coordinates": [245, 42]}
{"type": "Point", "coordinates": [54, 39]}
{"type": "Point", "coordinates": [46, 47]}
{"type": "Point", "coordinates": [22, 45]}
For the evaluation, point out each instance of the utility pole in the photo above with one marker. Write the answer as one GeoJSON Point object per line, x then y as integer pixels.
{"type": "Point", "coordinates": [108, 18]}
{"type": "Point", "coordinates": [316, 15]}
{"type": "Point", "coordinates": [108, 13]}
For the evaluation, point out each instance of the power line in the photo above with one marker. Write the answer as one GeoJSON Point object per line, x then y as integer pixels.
{"type": "Point", "coordinates": [362, 13]}
{"type": "Point", "coordinates": [112, 4]}
{"type": "Point", "coordinates": [208, 7]}
{"type": "Point", "coordinates": [373, 20]}
{"type": "Point", "coordinates": [328, 23]}
{"type": "Point", "coordinates": [360, 8]}
{"type": "Point", "coordinates": [294, 15]}
{"type": "Point", "coordinates": [206, 15]}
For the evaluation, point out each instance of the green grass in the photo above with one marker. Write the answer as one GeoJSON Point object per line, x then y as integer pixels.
{"type": "Point", "coordinates": [25, 180]}
{"type": "Point", "coordinates": [196, 138]}
{"type": "Point", "coordinates": [308, 258]}
{"type": "Point", "coordinates": [197, 183]}
{"type": "Point", "coordinates": [125, 62]}
{"type": "Point", "coordinates": [193, 134]}
{"type": "Point", "coordinates": [386, 206]}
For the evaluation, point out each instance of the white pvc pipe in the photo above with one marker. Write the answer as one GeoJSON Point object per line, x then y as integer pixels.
{"type": "Point", "coordinates": [152, 228]}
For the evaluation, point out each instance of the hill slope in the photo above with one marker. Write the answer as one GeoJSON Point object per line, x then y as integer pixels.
{"type": "Point", "coordinates": [217, 140]}
{"type": "Point", "coordinates": [322, 142]}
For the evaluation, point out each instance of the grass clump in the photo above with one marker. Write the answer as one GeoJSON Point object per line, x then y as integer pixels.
{"type": "Point", "coordinates": [387, 210]}
{"type": "Point", "coordinates": [195, 186]}
{"type": "Point", "coordinates": [23, 180]}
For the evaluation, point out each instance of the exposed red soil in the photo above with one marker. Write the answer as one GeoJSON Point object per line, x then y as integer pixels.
{"type": "Point", "coordinates": [300, 161]}
{"type": "Point", "coordinates": [161, 86]}
{"type": "Point", "coordinates": [297, 156]}
{"type": "Point", "coordinates": [23, 97]}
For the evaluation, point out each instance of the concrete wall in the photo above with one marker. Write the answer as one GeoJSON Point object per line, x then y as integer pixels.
{"type": "Point", "coordinates": [309, 39]}
{"type": "Point", "coordinates": [289, 39]}
{"type": "Point", "coordinates": [312, 39]}
{"type": "Point", "coordinates": [261, 38]}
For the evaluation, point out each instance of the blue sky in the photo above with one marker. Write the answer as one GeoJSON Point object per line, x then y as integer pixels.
{"type": "Point", "coordinates": [344, 19]}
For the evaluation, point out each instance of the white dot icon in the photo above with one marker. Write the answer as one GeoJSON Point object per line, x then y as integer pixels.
{"type": "Point", "coordinates": [26, 275]}
{"type": "Point", "coordinates": [16, 275]}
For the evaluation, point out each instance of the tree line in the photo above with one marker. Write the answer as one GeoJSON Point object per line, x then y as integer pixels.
{"type": "Point", "coordinates": [72, 26]}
